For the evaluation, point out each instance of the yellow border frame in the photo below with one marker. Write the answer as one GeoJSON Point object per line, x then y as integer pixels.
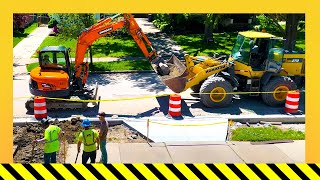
{"type": "Point", "coordinates": [309, 7]}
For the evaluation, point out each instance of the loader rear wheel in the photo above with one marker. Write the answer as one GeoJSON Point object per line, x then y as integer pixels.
{"type": "Point", "coordinates": [280, 87]}
{"type": "Point", "coordinates": [196, 88]}
{"type": "Point", "coordinates": [215, 91]}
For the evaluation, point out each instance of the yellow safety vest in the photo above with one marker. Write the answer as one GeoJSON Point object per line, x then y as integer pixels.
{"type": "Point", "coordinates": [51, 136]}
{"type": "Point", "coordinates": [89, 139]}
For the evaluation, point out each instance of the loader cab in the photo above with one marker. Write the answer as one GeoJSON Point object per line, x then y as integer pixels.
{"type": "Point", "coordinates": [54, 58]}
{"type": "Point", "coordinates": [252, 49]}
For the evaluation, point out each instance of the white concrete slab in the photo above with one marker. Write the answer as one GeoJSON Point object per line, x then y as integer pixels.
{"type": "Point", "coordinates": [112, 150]}
{"type": "Point", "coordinates": [266, 153]}
{"type": "Point", "coordinates": [143, 153]}
{"type": "Point", "coordinates": [298, 154]}
{"type": "Point", "coordinates": [214, 153]}
{"type": "Point", "coordinates": [188, 129]}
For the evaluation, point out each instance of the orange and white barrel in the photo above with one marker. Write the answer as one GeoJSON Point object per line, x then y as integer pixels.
{"type": "Point", "coordinates": [175, 105]}
{"type": "Point", "coordinates": [40, 107]}
{"type": "Point", "coordinates": [292, 102]}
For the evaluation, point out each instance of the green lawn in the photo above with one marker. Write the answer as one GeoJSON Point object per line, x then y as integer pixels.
{"type": "Point", "coordinates": [109, 46]}
{"type": "Point", "coordinates": [223, 43]}
{"type": "Point", "coordinates": [17, 37]}
{"type": "Point", "coordinates": [111, 66]}
{"type": "Point", "coordinates": [265, 134]}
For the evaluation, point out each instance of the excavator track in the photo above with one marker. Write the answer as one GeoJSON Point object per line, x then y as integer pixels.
{"type": "Point", "coordinates": [58, 105]}
{"type": "Point", "coordinates": [72, 104]}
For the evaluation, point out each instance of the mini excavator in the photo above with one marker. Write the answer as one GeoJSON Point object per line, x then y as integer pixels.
{"type": "Point", "coordinates": [54, 78]}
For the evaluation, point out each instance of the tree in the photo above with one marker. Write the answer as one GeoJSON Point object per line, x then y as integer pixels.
{"type": "Point", "coordinates": [292, 22]}
{"type": "Point", "coordinates": [275, 18]}
{"type": "Point", "coordinates": [71, 25]}
{"type": "Point", "coordinates": [211, 23]}
{"type": "Point", "coordinates": [19, 20]}
{"type": "Point", "coordinates": [208, 26]}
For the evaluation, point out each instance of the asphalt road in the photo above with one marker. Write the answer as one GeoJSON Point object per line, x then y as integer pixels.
{"type": "Point", "coordinates": [130, 85]}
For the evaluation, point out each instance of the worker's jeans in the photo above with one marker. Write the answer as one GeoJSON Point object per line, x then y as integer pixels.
{"type": "Point", "coordinates": [104, 155]}
{"type": "Point", "coordinates": [50, 158]}
{"type": "Point", "coordinates": [86, 155]}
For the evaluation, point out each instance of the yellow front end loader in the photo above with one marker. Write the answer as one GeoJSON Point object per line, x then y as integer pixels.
{"type": "Point", "coordinates": [257, 65]}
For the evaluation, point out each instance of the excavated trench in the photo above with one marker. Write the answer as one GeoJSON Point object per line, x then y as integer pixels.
{"type": "Point", "coordinates": [25, 152]}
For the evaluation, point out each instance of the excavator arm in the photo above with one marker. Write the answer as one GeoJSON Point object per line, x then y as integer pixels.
{"type": "Point", "coordinates": [101, 29]}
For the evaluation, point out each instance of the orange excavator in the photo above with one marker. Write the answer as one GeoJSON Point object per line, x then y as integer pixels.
{"type": "Point", "coordinates": [54, 77]}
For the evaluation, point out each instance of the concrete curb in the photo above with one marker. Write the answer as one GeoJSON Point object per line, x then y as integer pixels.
{"type": "Point", "coordinates": [102, 72]}
{"type": "Point", "coordinates": [285, 119]}
{"type": "Point", "coordinates": [114, 72]}
{"type": "Point", "coordinates": [280, 118]}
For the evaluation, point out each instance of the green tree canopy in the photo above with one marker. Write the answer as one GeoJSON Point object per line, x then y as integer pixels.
{"type": "Point", "coordinates": [71, 25]}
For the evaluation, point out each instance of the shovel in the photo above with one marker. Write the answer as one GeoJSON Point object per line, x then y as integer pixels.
{"type": "Point", "coordinates": [76, 158]}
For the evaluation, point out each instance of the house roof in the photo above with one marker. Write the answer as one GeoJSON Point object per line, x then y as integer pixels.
{"type": "Point", "coordinates": [255, 34]}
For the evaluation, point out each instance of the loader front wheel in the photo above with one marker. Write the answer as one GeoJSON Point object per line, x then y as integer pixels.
{"type": "Point", "coordinates": [214, 92]}
{"type": "Point", "coordinates": [276, 90]}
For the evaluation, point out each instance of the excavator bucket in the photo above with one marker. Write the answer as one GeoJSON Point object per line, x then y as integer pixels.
{"type": "Point", "coordinates": [175, 78]}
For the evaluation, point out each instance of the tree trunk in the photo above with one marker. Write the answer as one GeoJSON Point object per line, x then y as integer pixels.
{"type": "Point", "coordinates": [208, 29]}
{"type": "Point", "coordinates": [291, 31]}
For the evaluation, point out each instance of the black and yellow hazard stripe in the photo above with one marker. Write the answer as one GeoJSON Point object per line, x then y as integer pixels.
{"type": "Point", "coordinates": [160, 171]}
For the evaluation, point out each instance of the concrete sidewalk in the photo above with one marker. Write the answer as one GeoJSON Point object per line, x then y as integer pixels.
{"type": "Point", "coordinates": [199, 152]}
{"type": "Point", "coordinates": [23, 51]}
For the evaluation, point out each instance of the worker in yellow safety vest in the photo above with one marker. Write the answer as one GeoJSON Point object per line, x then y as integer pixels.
{"type": "Point", "coordinates": [51, 138]}
{"type": "Point", "coordinates": [90, 138]}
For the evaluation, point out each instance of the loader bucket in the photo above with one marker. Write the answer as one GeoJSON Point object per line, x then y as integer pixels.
{"type": "Point", "coordinates": [176, 79]}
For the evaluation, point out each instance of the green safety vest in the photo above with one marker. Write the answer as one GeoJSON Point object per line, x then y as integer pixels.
{"type": "Point", "coordinates": [89, 140]}
{"type": "Point", "coordinates": [51, 136]}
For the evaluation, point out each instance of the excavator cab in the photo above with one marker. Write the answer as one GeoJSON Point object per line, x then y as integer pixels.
{"type": "Point", "coordinates": [52, 77]}
{"type": "Point", "coordinates": [55, 58]}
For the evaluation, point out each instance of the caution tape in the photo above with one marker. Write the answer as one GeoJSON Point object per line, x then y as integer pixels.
{"type": "Point", "coordinates": [209, 124]}
{"type": "Point", "coordinates": [151, 96]}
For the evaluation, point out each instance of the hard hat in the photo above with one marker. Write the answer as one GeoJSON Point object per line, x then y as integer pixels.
{"type": "Point", "coordinates": [86, 123]}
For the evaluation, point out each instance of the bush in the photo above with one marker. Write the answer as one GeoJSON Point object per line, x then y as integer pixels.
{"type": "Point", "coordinates": [301, 25]}
{"type": "Point", "coordinates": [266, 23]}
{"type": "Point", "coordinates": [52, 23]}
{"type": "Point", "coordinates": [179, 23]}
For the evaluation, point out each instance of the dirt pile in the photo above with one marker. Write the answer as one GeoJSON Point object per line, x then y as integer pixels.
{"type": "Point", "coordinates": [25, 152]}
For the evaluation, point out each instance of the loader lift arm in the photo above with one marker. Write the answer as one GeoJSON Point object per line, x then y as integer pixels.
{"type": "Point", "coordinates": [101, 29]}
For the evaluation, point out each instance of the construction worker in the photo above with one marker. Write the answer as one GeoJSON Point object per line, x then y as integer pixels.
{"type": "Point", "coordinates": [103, 137]}
{"type": "Point", "coordinates": [89, 137]}
{"type": "Point", "coordinates": [51, 138]}
{"type": "Point", "coordinates": [46, 60]}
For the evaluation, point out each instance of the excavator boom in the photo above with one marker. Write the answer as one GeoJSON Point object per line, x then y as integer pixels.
{"type": "Point", "coordinates": [101, 29]}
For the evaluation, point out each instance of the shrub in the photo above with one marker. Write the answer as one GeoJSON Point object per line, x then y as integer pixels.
{"type": "Point", "coordinates": [52, 23]}
{"type": "Point", "coordinates": [266, 23]}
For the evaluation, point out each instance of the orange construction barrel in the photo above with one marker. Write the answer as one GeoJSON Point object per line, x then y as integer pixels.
{"type": "Point", "coordinates": [292, 102]}
{"type": "Point", "coordinates": [40, 108]}
{"type": "Point", "coordinates": [175, 105]}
